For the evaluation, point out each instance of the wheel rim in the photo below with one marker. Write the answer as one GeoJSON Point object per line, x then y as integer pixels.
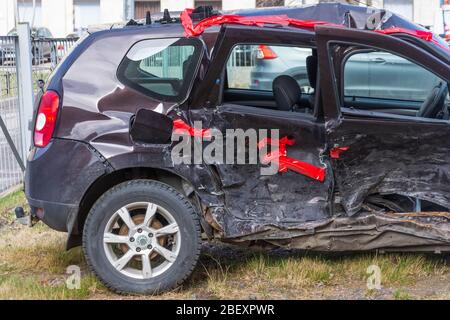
{"type": "Point", "coordinates": [142, 240]}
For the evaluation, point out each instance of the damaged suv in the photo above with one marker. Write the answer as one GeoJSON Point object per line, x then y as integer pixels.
{"type": "Point", "coordinates": [362, 155]}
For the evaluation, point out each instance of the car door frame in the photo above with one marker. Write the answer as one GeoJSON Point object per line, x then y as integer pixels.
{"type": "Point", "coordinates": [325, 35]}
{"type": "Point", "coordinates": [207, 101]}
{"type": "Point", "coordinates": [336, 118]}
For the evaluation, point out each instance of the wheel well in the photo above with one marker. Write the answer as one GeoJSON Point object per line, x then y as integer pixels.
{"type": "Point", "coordinates": [104, 183]}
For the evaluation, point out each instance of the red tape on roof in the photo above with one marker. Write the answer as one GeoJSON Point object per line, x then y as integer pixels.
{"type": "Point", "coordinates": [284, 20]}
{"type": "Point", "coordinates": [424, 35]}
{"type": "Point", "coordinates": [192, 30]}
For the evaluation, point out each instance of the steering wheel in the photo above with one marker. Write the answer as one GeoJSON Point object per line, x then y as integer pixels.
{"type": "Point", "coordinates": [434, 103]}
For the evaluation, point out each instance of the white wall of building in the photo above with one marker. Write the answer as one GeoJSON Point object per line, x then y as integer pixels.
{"type": "Point", "coordinates": [425, 11]}
{"type": "Point", "coordinates": [238, 4]}
{"type": "Point", "coordinates": [29, 13]}
{"type": "Point", "coordinates": [57, 15]}
{"type": "Point", "coordinates": [85, 13]}
{"type": "Point", "coordinates": [111, 11]}
{"type": "Point", "coordinates": [6, 16]}
{"type": "Point", "coordinates": [176, 5]}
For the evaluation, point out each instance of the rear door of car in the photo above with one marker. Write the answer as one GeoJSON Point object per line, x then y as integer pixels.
{"type": "Point", "coordinates": [256, 202]}
{"type": "Point", "coordinates": [384, 149]}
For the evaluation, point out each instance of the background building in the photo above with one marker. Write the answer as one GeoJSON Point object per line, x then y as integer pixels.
{"type": "Point", "coordinates": [63, 17]}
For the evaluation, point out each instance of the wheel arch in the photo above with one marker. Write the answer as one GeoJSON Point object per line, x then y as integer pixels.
{"type": "Point", "coordinates": [106, 182]}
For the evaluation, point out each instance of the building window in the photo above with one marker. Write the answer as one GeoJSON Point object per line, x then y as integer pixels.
{"type": "Point", "coordinates": [142, 7]}
{"type": "Point", "coordinates": [269, 3]}
{"type": "Point", "coordinates": [216, 4]}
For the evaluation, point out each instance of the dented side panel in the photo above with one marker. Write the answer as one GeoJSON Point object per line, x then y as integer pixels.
{"type": "Point", "coordinates": [254, 201]}
{"type": "Point", "coordinates": [392, 157]}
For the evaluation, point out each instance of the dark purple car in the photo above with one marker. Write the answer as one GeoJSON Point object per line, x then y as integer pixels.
{"type": "Point", "coordinates": [359, 168]}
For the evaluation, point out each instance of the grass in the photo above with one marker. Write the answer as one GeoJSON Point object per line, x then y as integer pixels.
{"type": "Point", "coordinates": [8, 84]}
{"type": "Point", "coordinates": [7, 205]}
{"type": "Point", "coordinates": [399, 294]}
{"type": "Point", "coordinates": [33, 264]}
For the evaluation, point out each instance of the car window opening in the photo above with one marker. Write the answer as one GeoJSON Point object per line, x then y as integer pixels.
{"type": "Point", "coordinates": [273, 77]}
{"type": "Point", "coordinates": [383, 83]}
{"type": "Point", "coordinates": [162, 69]}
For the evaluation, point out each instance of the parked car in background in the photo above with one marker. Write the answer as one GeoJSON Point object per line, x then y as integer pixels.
{"type": "Point", "coordinates": [376, 70]}
{"type": "Point", "coordinates": [42, 51]}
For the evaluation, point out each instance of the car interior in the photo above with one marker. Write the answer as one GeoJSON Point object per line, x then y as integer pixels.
{"type": "Point", "coordinates": [391, 98]}
{"type": "Point", "coordinates": [435, 106]}
{"type": "Point", "coordinates": [286, 94]}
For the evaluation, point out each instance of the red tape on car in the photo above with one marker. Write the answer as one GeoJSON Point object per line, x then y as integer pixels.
{"type": "Point", "coordinates": [286, 163]}
{"type": "Point", "coordinates": [181, 127]}
{"type": "Point", "coordinates": [192, 30]}
{"type": "Point", "coordinates": [284, 20]}
{"type": "Point", "coordinates": [335, 153]}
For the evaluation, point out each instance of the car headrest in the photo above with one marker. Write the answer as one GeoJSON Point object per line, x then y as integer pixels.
{"type": "Point", "coordinates": [287, 92]}
{"type": "Point", "coordinates": [312, 65]}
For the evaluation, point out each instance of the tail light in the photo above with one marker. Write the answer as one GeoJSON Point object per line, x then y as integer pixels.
{"type": "Point", "coordinates": [265, 53]}
{"type": "Point", "coordinates": [60, 47]}
{"type": "Point", "coordinates": [46, 118]}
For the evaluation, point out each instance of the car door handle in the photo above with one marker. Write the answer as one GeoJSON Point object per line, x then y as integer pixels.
{"type": "Point", "coordinates": [378, 60]}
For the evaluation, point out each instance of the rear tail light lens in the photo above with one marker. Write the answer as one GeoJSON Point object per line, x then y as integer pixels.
{"type": "Point", "coordinates": [46, 119]}
{"type": "Point", "coordinates": [265, 53]}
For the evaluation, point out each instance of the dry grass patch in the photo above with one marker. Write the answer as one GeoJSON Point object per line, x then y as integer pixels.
{"type": "Point", "coordinates": [33, 265]}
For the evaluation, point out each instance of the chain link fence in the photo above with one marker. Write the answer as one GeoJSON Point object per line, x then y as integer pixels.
{"type": "Point", "coordinates": [45, 55]}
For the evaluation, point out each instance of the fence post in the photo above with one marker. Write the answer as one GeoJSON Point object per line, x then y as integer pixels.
{"type": "Point", "coordinates": [25, 84]}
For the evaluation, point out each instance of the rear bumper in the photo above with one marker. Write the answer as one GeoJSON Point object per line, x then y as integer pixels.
{"type": "Point", "coordinates": [58, 216]}
{"type": "Point", "coordinates": [57, 178]}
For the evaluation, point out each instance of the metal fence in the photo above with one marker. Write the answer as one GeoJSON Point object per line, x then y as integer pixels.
{"type": "Point", "coordinates": [45, 55]}
{"type": "Point", "coordinates": [243, 56]}
{"type": "Point", "coordinates": [10, 171]}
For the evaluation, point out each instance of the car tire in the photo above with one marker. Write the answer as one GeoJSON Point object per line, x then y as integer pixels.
{"type": "Point", "coordinates": [148, 193]}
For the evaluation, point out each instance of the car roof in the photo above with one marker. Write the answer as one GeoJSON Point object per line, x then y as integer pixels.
{"type": "Point", "coordinates": [357, 17]}
{"type": "Point", "coordinates": [338, 13]}
{"type": "Point", "coordinates": [352, 16]}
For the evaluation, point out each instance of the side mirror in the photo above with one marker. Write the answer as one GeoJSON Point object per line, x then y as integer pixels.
{"type": "Point", "coordinates": [151, 127]}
